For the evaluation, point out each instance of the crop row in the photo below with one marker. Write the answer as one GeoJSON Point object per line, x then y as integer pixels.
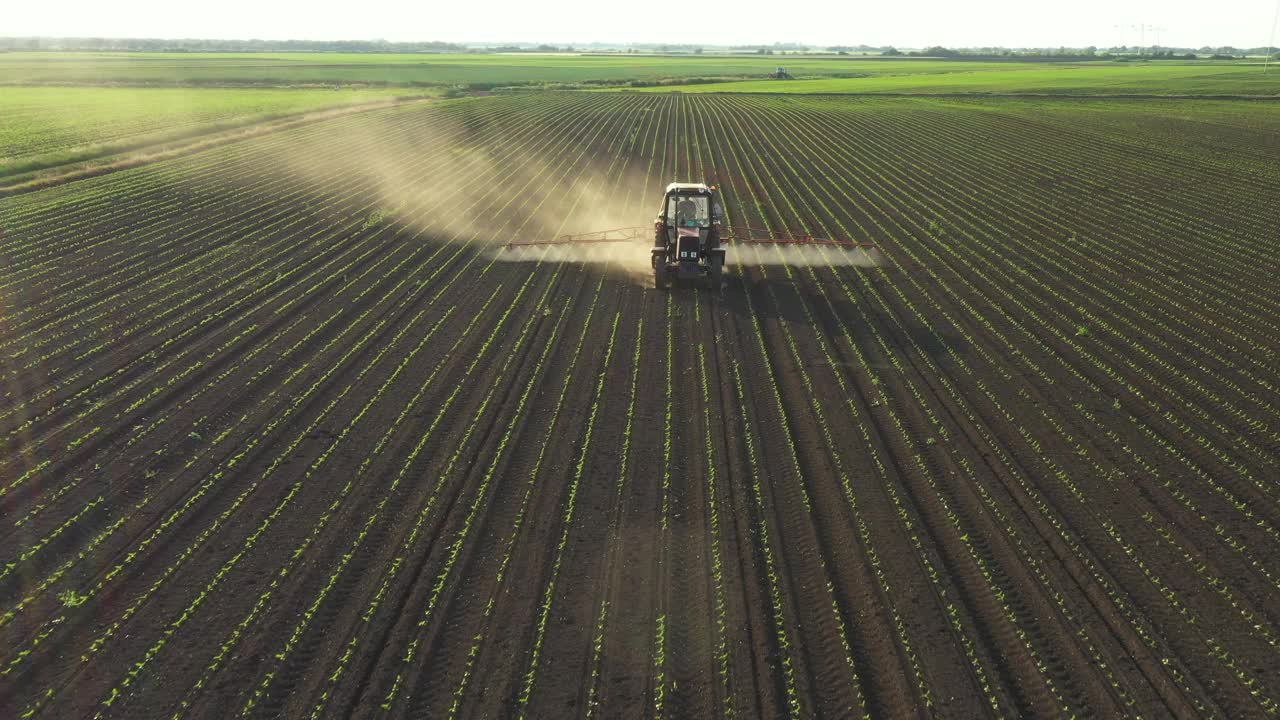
{"type": "Point", "coordinates": [312, 447]}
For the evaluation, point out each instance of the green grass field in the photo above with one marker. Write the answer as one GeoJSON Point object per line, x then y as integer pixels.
{"type": "Point", "coordinates": [820, 75]}
{"type": "Point", "coordinates": [46, 126]}
{"type": "Point", "coordinates": [421, 69]}
{"type": "Point", "coordinates": [63, 108]}
{"type": "Point", "coordinates": [1100, 78]}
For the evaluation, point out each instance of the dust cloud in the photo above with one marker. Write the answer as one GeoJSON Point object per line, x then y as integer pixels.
{"type": "Point", "coordinates": [595, 203]}
{"type": "Point", "coordinates": [454, 176]}
{"type": "Point", "coordinates": [455, 180]}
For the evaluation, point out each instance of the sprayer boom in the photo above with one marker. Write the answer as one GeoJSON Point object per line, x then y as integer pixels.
{"type": "Point", "coordinates": [616, 235]}
{"type": "Point", "coordinates": [690, 237]}
{"type": "Point", "coordinates": [738, 235]}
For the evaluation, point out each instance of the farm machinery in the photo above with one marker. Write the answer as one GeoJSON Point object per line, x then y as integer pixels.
{"type": "Point", "coordinates": [690, 237]}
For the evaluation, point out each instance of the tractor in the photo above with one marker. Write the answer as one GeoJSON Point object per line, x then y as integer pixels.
{"type": "Point", "coordinates": [689, 238]}
{"type": "Point", "coordinates": [686, 235]}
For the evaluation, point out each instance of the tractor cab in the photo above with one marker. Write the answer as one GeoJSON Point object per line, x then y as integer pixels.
{"type": "Point", "coordinates": [687, 234]}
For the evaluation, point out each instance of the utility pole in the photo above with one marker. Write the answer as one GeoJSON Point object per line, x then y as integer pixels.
{"type": "Point", "coordinates": [1271, 44]}
{"type": "Point", "coordinates": [1143, 29]}
{"type": "Point", "coordinates": [1142, 37]}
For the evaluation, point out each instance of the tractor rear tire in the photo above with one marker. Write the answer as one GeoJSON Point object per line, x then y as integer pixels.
{"type": "Point", "coordinates": [660, 276]}
{"type": "Point", "coordinates": [716, 263]}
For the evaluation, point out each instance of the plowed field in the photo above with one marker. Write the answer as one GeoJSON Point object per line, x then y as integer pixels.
{"type": "Point", "coordinates": [286, 435]}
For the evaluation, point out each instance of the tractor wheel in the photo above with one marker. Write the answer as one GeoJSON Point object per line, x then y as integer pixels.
{"type": "Point", "coordinates": [716, 263]}
{"type": "Point", "coordinates": [660, 276]}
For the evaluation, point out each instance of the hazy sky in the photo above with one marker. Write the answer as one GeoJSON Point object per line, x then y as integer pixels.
{"type": "Point", "coordinates": [916, 23]}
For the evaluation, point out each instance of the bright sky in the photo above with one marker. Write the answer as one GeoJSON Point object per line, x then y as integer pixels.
{"type": "Point", "coordinates": [917, 23]}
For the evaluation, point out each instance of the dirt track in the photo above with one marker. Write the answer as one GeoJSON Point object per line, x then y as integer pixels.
{"type": "Point", "coordinates": [284, 438]}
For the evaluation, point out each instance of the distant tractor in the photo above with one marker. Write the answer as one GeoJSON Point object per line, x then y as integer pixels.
{"type": "Point", "coordinates": [780, 74]}
{"type": "Point", "coordinates": [686, 235]}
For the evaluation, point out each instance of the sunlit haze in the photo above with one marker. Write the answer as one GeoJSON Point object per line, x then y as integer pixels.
{"type": "Point", "coordinates": [1009, 23]}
